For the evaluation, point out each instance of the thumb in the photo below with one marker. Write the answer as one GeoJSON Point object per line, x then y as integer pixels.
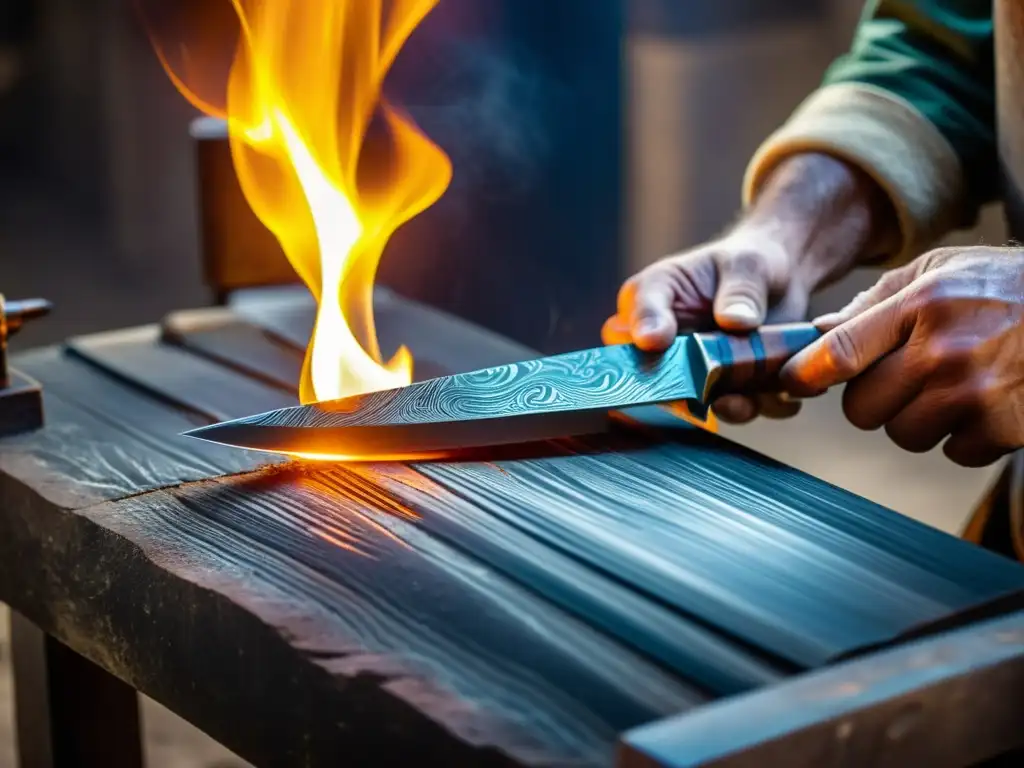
{"type": "Point", "coordinates": [741, 303]}
{"type": "Point", "coordinates": [850, 347]}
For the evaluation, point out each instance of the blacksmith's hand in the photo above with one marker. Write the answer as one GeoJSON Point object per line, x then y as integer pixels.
{"type": "Point", "coordinates": [934, 350]}
{"type": "Point", "coordinates": [726, 283]}
{"type": "Point", "coordinates": [808, 225]}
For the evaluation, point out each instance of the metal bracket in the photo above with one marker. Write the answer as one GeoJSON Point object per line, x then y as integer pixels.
{"type": "Point", "coordinates": [21, 397]}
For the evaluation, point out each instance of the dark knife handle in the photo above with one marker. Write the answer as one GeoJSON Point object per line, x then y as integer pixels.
{"type": "Point", "coordinates": [751, 362]}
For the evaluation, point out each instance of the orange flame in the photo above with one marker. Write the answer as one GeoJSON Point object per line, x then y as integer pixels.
{"type": "Point", "coordinates": [305, 83]}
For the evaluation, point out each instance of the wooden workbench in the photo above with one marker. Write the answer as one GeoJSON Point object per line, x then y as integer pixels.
{"type": "Point", "coordinates": [524, 607]}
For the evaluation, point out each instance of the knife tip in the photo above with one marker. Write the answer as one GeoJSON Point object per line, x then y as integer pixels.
{"type": "Point", "coordinates": [200, 433]}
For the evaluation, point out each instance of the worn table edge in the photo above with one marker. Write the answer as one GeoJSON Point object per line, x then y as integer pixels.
{"type": "Point", "coordinates": [896, 695]}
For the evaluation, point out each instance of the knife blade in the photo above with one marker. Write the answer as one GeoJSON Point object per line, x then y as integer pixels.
{"type": "Point", "coordinates": [564, 395]}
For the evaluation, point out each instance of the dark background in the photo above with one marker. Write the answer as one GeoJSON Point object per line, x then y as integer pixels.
{"type": "Point", "coordinates": [588, 137]}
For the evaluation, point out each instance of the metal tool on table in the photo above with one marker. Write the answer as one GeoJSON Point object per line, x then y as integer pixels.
{"type": "Point", "coordinates": [552, 397]}
{"type": "Point", "coordinates": [21, 398]}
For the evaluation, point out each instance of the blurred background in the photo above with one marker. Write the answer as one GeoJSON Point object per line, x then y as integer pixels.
{"type": "Point", "coordinates": [601, 134]}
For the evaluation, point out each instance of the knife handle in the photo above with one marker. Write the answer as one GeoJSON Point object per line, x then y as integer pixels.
{"type": "Point", "coordinates": [751, 362]}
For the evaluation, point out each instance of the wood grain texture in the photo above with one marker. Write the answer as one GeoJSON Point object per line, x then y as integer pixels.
{"type": "Point", "coordinates": [396, 650]}
{"type": "Point", "coordinates": [103, 441]}
{"type": "Point", "coordinates": [682, 644]}
{"type": "Point", "coordinates": [218, 332]}
{"type": "Point", "coordinates": [765, 554]}
{"type": "Point", "coordinates": [904, 706]}
{"type": "Point", "coordinates": [269, 608]}
{"type": "Point", "coordinates": [519, 607]}
{"type": "Point", "coordinates": [168, 369]}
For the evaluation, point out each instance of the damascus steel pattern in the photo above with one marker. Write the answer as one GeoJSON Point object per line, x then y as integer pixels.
{"type": "Point", "coordinates": [560, 396]}
{"type": "Point", "coordinates": [552, 397]}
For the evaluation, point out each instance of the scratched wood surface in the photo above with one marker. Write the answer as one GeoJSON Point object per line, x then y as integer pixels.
{"type": "Point", "coordinates": [522, 607]}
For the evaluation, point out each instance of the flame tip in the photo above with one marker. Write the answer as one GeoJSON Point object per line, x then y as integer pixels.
{"type": "Point", "coordinates": [304, 85]}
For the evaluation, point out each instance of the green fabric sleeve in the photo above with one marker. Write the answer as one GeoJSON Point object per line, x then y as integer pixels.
{"type": "Point", "coordinates": [938, 56]}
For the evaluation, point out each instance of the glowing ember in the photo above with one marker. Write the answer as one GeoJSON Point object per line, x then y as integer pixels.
{"type": "Point", "coordinates": [304, 86]}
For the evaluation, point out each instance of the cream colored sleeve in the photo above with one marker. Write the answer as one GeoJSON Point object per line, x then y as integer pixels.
{"type": "Point", "coordinates": [891, 141]}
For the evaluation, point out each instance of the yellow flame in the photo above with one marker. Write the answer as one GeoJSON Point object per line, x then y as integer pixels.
{"type": "Point", "coordinates": [305, 84]}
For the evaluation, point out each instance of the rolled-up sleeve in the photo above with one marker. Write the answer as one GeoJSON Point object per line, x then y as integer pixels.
{"type": "Point", "coordinates": [913, 105]}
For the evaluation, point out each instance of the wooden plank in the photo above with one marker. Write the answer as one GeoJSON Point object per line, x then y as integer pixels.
{"type": "Point", "coordinates": [882, 529]}
{"type": "Point", "coordinates": [684, 646]}
{"type": "Point", "coordinates": [104, 436]}
{"type": "Point", "coordinates": [125, 353]}
{"type": "Point", "coordinates": [680, 644]}
{"type": "Point", "coordinates": [216, 332]}
{"type": "Point", "coordinates": [375, 594]}
{"type": "Point", "coordinates": [145, 434]}
{"type": "Point", "coordinates": [768, 555]}
{"type": "Point", "coordinates": [947, 702]}
{"type": "Point", "coordinates": [328, 627]}
{"type": "Point", "coordinates": [351, 611]}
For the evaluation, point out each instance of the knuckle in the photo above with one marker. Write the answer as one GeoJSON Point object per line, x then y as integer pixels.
{"type": "Point", "coordinates": [983, 396]}
{"type": "Point", "coordinates": [927, 290]}
{"type": "Point", "coordinates": [641, 289]}
{"type": "Point", "coordinates": [936, 257]}
{"type": "Point", "coordinates": [891, 280]}
{"type": "Point", "coordinates": [938, 355]}
{"type": "Point", "coordinates": [842, 350]}
{"type": "Point", "coordinates": [930, 355]}
{"type": "Point", "coordinates": [745, 262]}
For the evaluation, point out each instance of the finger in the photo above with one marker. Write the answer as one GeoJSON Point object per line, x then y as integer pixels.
{"type": "Point", "coordinates": [850, 348]}
{"type": "Point", "coordinates": [735, 409]}
{"type": "Point", "coordinates": [874, 398]}
{"type": "Point", "coordinates": [970, 446]}
{"type": "Point", "coordinates": [646, 301]}
{"type": "Point", "coordinates": [775, 406]}
{"type": "Point", "coordinates": [616, 331]}
{"type": "Point", "coordinates": [890, 284]}
{"type": "Point", "coordinates": [741, 303]}
{"type": "Point", "coordinates": [927, 420]}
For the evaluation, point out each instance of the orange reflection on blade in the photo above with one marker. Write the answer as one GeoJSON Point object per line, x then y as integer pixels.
{"type": "Point", "coordinates": [682, 410]}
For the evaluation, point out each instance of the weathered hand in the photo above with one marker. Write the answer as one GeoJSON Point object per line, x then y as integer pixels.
{"type": "Point", "coordinates": [728, 283]}
{"type": "Point", "coordinates": [934, 350]}
{"type": "Point", "coordinates": [813, 219]}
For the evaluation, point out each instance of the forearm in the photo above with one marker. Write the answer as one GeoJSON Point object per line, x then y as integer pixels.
{"type": "Point", "coordinates": [911, 105]}
{"type": "Point", "coordinates": [829, 214]}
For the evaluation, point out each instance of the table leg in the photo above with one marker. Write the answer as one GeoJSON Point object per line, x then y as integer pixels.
{"type": "Point", "coordinates": [68, 711]}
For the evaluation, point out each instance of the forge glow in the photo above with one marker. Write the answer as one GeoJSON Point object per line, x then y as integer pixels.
{"type": "Point", "coordinates": [305, 83]}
